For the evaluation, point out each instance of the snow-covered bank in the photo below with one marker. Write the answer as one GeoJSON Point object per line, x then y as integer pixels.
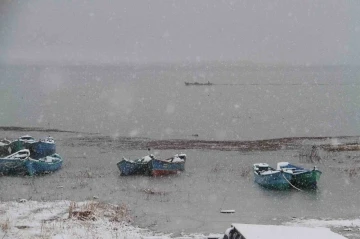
{"type": "Point", "coordinates": [349, 228]}
{"type": "Point", "coordinates": [92, 219]}
{"type": "Point", "coordinates": [65, 219]}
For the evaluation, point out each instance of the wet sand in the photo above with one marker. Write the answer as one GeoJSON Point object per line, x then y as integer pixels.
{"type": "Point", "coordinates": [218, 176]}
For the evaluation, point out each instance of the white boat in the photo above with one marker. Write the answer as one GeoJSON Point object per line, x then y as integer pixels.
{"type": "Point", "coordinates": [250, 231]}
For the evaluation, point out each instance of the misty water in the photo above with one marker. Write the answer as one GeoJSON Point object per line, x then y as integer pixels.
{"type": "Point", "coordinates": [244, 103]}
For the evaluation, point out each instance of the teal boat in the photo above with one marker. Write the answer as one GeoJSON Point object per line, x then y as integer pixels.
{"type": "Point", "coordinates": [38, 148]}
{"type": "Point", "coordinates": [300, 177]}
{"type": "Point", "coordinates": [22, 142]}
{"type": "Point", "coordinates": [43, 165]}
{"type": "Point", "coordinates": [137, 166]}
{"type": "Point", "coordinates": [14, 164]}
{"type": "Point", "coordinates": [271, 178]}
{"type": "Point", "coordinates": [172, 165]}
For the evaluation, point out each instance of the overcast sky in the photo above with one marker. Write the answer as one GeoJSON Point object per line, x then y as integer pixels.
{"type": "Point", "coordinates": [283, 31]}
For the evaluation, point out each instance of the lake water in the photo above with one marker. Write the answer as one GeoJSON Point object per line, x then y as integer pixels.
{"type": "Point", "coordinates": [153, 101]}
{"type": "Point", "coordinates": [244, 103]}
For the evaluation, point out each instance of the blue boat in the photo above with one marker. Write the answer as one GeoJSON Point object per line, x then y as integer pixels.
{"type": "Point", "coordinates": [43, 165]}
{"type": "Point", "coordinates": [271, 178]}
{"type": "Point", "coordinates": [14, 164]}
{"type": "Point", "coordinates": [173, 165]}
{"type": "Point", "coordinates": [38, 148]}
{"type": "Point", "coordinates": [42, 148]}
{"type": "Point", "coordinates": [137, 166]}
{"type": "Point", "coordinates": [301, 177]}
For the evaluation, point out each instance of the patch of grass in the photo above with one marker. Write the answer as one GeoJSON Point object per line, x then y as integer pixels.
{"type": "Point", "coordinates": [5, 226]}
{"type": "Point", "coordinates": [92, 211]}
{"type": "Point", "coordinates": [245, 172]}
{"type": "Point", "coordinates": [154, 192]}
{"type": "Point", "coordinates": [310, 154]}
{"type": "Point", "coordinates": [353, 172]}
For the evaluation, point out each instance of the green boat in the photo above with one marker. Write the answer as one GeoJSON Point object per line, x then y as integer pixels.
{"type": "Point", "coordinates": [301, 177]}
{"type": "Point", "coordinates": [22, 142]}
{"type": "Point", "coordinates": [14, 164]}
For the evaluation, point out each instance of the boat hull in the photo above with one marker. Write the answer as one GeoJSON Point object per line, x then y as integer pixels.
{"type": "Point", "coordinates": [161, 167]}
{"type": "Point", "coordinates": [41, 149]}
{"type": "Point", "coordinates": [17, 145]}
{"type": "Point", "coordinates": [38, 149]}
{"type": "Point", "coordinates": [131, 168]}
{"type": "Point", "coordinates": [276, 180]}
{"type": "Point", "coordinates": [12, 167]}
{"type": "Point", "coordinates": [307, 179]}
{"type": "Point", "coordinates": [35, 167]}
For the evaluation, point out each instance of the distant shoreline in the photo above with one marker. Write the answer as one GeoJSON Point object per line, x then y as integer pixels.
{"type": "Point", "coordinates": [144, 143]}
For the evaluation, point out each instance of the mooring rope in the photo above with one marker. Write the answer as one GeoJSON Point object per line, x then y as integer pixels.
{"type": "Point", "coordinates": [290, 183]}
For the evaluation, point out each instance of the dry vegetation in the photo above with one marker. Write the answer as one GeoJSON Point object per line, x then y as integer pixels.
{"type": "Point", "coordinates": [5, 226]}
{"type": "Point", "coordinates": [154, 192]}
{"type": "Point", "coordinates": [95, 210]}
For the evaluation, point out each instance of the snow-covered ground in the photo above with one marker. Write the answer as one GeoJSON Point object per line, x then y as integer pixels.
{"type": "Point", "coordinates": [349, 228]}
{"type": "Point", "coordinates": [91, 219]}
{"type": "Point", "coordinates": [65, 220]}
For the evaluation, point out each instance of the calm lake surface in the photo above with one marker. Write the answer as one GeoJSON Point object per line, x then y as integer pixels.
{"type": "Point", "coordinates": [245, 102]}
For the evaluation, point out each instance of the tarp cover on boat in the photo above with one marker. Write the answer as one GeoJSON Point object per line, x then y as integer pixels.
{"type": "Point", "coordinates": [250, 231]}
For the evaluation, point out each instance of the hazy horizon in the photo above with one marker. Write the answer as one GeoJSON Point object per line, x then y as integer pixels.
{"type": "Point", "coordinates": [325, 32]}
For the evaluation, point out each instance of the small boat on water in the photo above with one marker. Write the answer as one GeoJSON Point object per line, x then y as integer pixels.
{"type": "Point", "coordinates": [47, 164]}
{"type": "Point", "coordinates": [300, 177]}
{"type": "Point", "coordinates": [137, 166]}
{"type": "Point", "coordinates": [22, 142]}
{"type": "Point", "coordinates": [173, 165]}
{"type": "Point", "coordinates": [42, 148]}
{"type": "Point", "coordinates": [14, 164]}
{"type": "Point", "coordinates": [271, 178]}
{"type": "Point", "coordinates": [198, 83]}
{"type": "Point", "coordinates": [38, 148]}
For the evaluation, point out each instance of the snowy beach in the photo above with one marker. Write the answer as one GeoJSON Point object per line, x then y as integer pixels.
{"type": "Point", "coordinates": [91, 219]}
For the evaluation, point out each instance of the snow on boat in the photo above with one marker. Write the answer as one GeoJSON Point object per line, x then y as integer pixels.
{"type": "Point", "coordinates": [43, 165]}
{"type": "Point", "coordinates": [173, 165]}
{"type": "Point", "coordinates": [137, 166]}
{"type": "Point", "coordinates": [14, 164]}
{"type": "Point", "coordinates": [250, 231]}
{"type": "Point", "coordinates": [300, 177]}
{"type": "Point", "coordinates": [271, 178]}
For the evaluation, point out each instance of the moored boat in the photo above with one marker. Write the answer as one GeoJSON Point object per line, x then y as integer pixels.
{"type": "Point", "coordinates": [38, 148]}
{"type": "Point", "coordinates": [271, 178]}
{"type": "Point", "coordinates": [14, 164]}
{"type": "Point", "coordinates": [42, 148]}
{"type": "Point", "coordinates": [173, 165]}
{"type": "Point", "coordinates": [22, 142]}
{"type": "Point", "coordinates": [137, 166]}
{"type": "Point", "coordinates": [47, 164]}
{"type": "Point", "coordinates": [301, 177]}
